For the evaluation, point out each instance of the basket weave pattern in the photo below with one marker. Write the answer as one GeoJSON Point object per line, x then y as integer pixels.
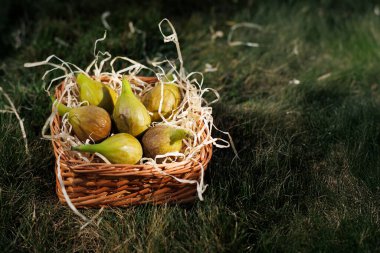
{"type": "Point", "coordinates": [100, 184]}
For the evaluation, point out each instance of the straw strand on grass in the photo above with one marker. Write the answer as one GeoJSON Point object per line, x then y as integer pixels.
{"type": "Point", "coordinates": [20, 121]}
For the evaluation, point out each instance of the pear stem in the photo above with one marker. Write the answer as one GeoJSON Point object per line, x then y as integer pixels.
{"type": "Point", "coordinates": [91, 148]}
{"type": "Point", "coordinates": [62, 109]}
{"type": "Point", "coordinates": [177, 135]}
{"type": "Point", "coordinates": [169, 78]}
{"type": "Point", "coordinates": [126, 86]}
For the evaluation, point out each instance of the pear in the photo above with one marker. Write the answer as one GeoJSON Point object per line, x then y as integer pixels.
{"type": "Point", "coordinates": [162, 139]}
{"type": "Point", "coordinates": [129, 114]}
{"type": "Point", "coordinates": [171, 100]}
{"type": "Point", "coordinates": [120, 148]}
{"type": "Point", "coordinates": [88, 122]}
{"type": "Point", "coordinates": [96, 93]}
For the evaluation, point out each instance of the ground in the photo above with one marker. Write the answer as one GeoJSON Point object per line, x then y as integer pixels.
{"type": "Point", "coordinates": [302, 108]}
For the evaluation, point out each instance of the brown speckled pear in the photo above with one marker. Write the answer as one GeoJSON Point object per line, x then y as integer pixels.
{"type": "Point", "coordinates": [88, 122]}
{"type": "Point", "coordinates": [162, 139]}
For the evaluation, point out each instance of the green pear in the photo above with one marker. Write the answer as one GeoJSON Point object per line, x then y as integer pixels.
{"type": "Point", "coordinates": [129, 114]}
{"type": "Point", "coordinates": [171, 98]}
{"type": "Point", "coordinates": [88, 122]}
{"type": "Point", "coordinates": [162, 139]}
{"type": "Point", "coordinates": [96, 93]}
{"type": "Point", "coordinates": [120, 148]}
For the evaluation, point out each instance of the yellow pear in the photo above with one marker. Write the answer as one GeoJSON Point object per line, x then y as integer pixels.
{"type": "Point", "coordinates": [96, 93]}
{"type": "Point", "coordinates": [120, 148]}
{"type": "Point", "coordinates": [129, 114]}
{"type": "Point", "coordinates": [171, 99]}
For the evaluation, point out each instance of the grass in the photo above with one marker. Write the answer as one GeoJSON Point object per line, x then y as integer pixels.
{"type": "Point", "coordinates": [309, 173]}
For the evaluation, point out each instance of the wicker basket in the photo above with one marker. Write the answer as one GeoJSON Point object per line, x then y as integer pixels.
{"type": "Point", "coordinates": [100, 184]}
